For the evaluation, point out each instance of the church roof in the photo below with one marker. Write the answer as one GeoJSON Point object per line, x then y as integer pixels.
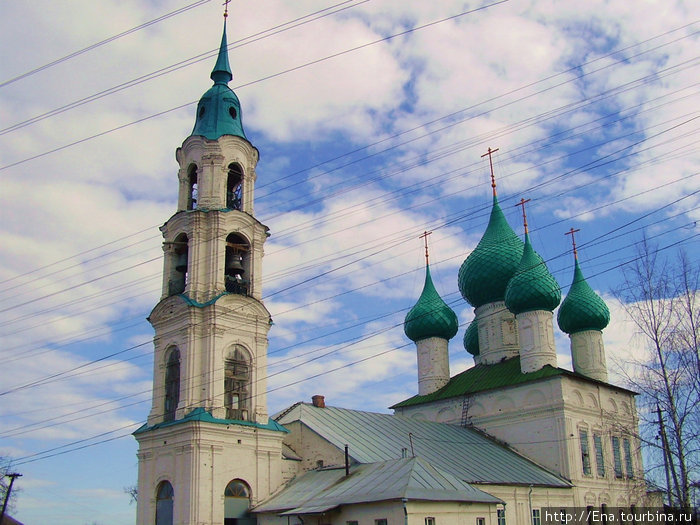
{"type": "Point", "coordinates": [471, 338]}
{"type": "Point", "coordinates": [484, 377]}
{"type": "Point", "coordinates": [430, 317]}
{"type": "Point", "coordinates": [583, 309]}
{"type": "Point", "coordinates": [464, 453]}
{"type": "Point", "coordinates": [219, 110]}
{"type": "Point", "coordinates": [532, 287]}
{"type": "Point", "coordinates": [410, 478]}
{"type": "Point", "coordinates": [485, 273]}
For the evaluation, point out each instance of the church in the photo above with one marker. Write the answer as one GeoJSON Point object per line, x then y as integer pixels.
{"type": "Point", "coordinates": [496, 444]}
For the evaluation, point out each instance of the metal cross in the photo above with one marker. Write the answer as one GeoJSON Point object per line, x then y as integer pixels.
{"type": "Point", "coordinates": [493, 178]}
{"type": "Point", "coordinates": [425, 240]}
{"type": "Point", "coordinates": [522, 203]}
{"type": "Point", "coordinates": [573, 240]}
{"type": "Point", "coordinates": [225, 4]}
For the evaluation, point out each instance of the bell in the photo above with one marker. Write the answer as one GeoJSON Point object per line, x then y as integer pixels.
{"type": "Point", "coordinates": [181, 262]}
{"type": "Point", "coordinates": [234, 267]}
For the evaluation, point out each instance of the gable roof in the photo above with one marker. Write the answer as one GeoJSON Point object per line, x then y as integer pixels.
{"type": "Point", "coordinates": [464, 453]}
{"type": "Point", "coordinates": [410, 478]}
{"type": "Point", "coordinates": [482, 377]}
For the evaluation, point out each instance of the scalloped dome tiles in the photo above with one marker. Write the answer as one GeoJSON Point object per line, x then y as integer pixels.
{"type": "Point", "coordinates": [583, 309]}
{"type": "Point", "coordinates": [532, 287]}
{"type": "Point", "coordinates": [430, 317]}
{"type": "Point", "coordinates": [484, 275]}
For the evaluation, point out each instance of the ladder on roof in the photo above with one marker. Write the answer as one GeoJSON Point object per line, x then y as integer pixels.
{"type": "Point", "coordinates": [466, 420]}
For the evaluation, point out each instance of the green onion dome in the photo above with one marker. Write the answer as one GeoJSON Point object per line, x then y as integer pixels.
{"type": "Point", "coordinates": [484, 275]}
{"type": "Point", "coordinates": [219, 110]}
{"type": "Point", "coordinates": [471, 338]}
{"type": "Point", "coordinates": [583, 309]}
{"type": "Point", "coordinates": [532, 287]}
{"type": "Point", "coordinates": [430, 317]}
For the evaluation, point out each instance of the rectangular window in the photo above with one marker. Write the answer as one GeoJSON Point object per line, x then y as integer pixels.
{"type": "Point", "coordinates": [353, 522]}
{"type": "Point", "coordinates": [536, 519]}
{"type": "Point", "coordinates": [501, 513]}
{"type": "Point", "coordinates": [380, 521]}
{"type": "Point", "coordinates": [599, 457]}
{"type": "Point", "coordinates": [627, 449]}
{"type": "Point", "coordinates": [585, 455]}
{"type": "Point", "coordinates": [480, 521]}
{"type": "Point", "coordinates": [429, 521]}
{"type": "Point", "coordinates": [617, 457]}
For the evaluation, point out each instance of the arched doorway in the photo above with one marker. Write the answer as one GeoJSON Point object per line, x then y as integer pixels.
{"type": "Point", "coordinates": [164, 503]}
{"type": "Point", "coordinates": [237, 503]}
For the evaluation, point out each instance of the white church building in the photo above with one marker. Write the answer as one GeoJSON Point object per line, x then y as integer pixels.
{"type": "Point", "coordinates": [494, 445]}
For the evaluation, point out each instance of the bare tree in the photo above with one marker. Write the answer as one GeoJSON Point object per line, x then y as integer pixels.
{"type": "Point", "coordinates": [661, 298]}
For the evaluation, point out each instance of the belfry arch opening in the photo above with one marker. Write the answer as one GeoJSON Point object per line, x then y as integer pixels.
{"type": "Point", "coordinates": [171, 384]}
{"type": "Point", "coordinates": [192, 188]}
{"type": "Point", "coordinates": [164, 503]}
{"type": "Point", "coordinates": [237, 503]}
{"type": "Point", "coordinates": [237, 380]}
{"type": "Point", "coordinates": [237, 265]}
{"type": "Point", "coordinates": [234, 187]}
{"type": "Point", "coordinates": [180, 261]}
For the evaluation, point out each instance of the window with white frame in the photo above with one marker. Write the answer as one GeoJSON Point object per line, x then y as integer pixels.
{"type": "Point", "coordinates": [501, 515]}
{"type": "Point", "coordinates": [480, 521]}
{"type": "Point", "coordinates": [585, 452]}
{"type": "Point", "coordinates": [429, 521]}
{"type": "Point", "coordinates": [536, 518]}
{"type": "Point", "coordinates": [617, 456]}
{"type": "Point", "coordinates": [627, 449]}
{"type": "Point", "coordinates": [599, 456]}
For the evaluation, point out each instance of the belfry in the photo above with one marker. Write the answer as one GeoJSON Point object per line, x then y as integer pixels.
{"type": "Point", "coordinates": [208, 450]}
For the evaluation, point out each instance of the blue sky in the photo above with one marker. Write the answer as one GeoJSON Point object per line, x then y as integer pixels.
{"type": "Point", "coordinates": [371, 118]}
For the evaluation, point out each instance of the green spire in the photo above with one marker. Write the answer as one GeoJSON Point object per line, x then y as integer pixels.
{"type": "Point", "coordinates": [583, 309]}
{"type": "Point", "coordinates": [430, 317]}
{"type": "Point", "coordinates": [484, 275]}
{"type": "Point", "coordinates": [219, 110]}
{"type": "Point", "coordinates": [221, 74]}
{"type": "Point", "coordinates": [532, 287]}
{"type": "Point", "coordinates": [471, 338]}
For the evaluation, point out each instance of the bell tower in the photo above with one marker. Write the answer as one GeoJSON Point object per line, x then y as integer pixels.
{"type": "Point", "coordinates": [208, 450]}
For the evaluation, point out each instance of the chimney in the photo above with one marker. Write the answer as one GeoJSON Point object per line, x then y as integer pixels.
{"type": "Point", "coordinates": [318, 401]}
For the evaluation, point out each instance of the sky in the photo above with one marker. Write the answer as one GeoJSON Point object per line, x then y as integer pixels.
{"type": "Point", "coordinates": [371, 118]}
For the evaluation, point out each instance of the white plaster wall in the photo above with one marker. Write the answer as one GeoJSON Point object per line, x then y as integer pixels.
{"type": "Point", "coordinates": [536, 335]}
{"type": "Point", "coordinates": [199, 460]}
{"type": "Point", "coordinates": [588, 354]}
{"type": "Point", "coordinates": [433, 364]}
{"type": "Point", "coordinates": [498, 332]}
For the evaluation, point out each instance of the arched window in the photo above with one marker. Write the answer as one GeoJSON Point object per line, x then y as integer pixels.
{"type": "Point", "coordinates": [236, 268]}
{"type": "Point", "coordinates": [236, 502]}
{"type": "Point", "coordinates": [234, 187]}
{"type": "Point", "coordinates": [178, 273]}
{"type": "Point", "coordinates": [192, 191]}
{"type": "Point", "coordinates": [164, 503]}
{"type": "Point", "coordinates": [237, 384]}
{"type": "Point", "coordinates": [172, 385]}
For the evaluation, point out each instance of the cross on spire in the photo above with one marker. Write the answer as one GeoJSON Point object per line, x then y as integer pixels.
{"type": "Point", "coordinates": [522, 203]}
{"type": "Point", "coordinates": [225, 4]}
{"type": "Point", "coordinates": [573, 240]}
{"type": "Point", "coordinates": [424, 236]}
{"type": "Point", "coordinates": [493, 178]}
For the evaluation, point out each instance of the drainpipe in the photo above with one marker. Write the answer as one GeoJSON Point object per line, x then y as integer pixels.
{"type": "Point", "coordinates": [405, 511]}
{"type": "Point", "coordinates": [529, 501]}
{"type": "Point", "coordinates": [347, 462]}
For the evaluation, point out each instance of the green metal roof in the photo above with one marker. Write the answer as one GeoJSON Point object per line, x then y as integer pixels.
{"type": "Point", "coordinates": [484, 377]}
{"type": "Point", "coordinates": [465, 453]}
{"type": "Point", "coordinates": [484, 275]}
{"type": "Point", "coordinates": [471, 338]}
{"type": "Point", "coordinates": [532, 287]}
{"type": "Point", "coordinates": [200, 414]}
{"type": "Point", "coordinates": [219, 110]}
{"type": "Point", "coordinates": [582, 309]}
{"type": "Point", "coordinates": [410, 478]}
{"type": "Point", "coordinates": [430, 317]}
